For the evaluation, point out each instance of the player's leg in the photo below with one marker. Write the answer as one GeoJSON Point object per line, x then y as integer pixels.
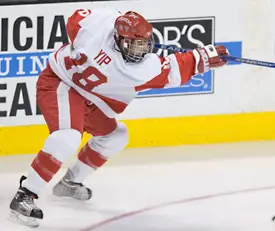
{"type": "Point", "coordinates": [63, 109]}
{"type": "Point", "coordinates": [109, 137]}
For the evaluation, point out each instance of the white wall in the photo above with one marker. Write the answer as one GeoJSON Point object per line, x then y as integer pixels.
{"type": "Point", "coordinates": [236, 88]}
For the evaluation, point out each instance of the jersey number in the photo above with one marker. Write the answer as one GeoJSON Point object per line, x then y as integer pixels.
{"type": "Point", "coordinates": [89, 78]}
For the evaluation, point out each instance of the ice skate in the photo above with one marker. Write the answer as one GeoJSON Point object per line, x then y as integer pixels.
{"type": "Point", "coordinates": [67, 188]}
{"type": "Point", "coordinates": [23, 209]}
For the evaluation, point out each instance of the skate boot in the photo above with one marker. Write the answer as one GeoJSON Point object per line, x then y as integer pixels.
{"type": "Point", "coordinates": [23, 209]}
{"type": "Point", "coordinates": [67, 188]}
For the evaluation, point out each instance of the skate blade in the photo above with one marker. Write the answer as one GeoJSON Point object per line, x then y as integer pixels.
{"type": "Point", "coordinates": [18, 218]}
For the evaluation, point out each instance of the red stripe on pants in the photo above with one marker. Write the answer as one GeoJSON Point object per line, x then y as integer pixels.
{"type": "Point", "coordinates": [91, 157]}
{"type": "Point", "coordinates": [46, 165]}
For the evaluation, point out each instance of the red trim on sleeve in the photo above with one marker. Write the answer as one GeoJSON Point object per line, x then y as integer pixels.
{"type": "Point", "coordinates": [159, 81]}
{"type": "Point", "coordinates": [186, 62]}
{"type": "Point", "coordinates": [73, 26]}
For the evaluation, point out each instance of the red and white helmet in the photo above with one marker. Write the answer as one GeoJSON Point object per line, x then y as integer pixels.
{"type": "Point", "coordinates": [134, 36]}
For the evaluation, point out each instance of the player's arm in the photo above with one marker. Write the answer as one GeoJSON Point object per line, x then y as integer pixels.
{"type": "Point", "coordinates": [73, 24]}
{"type": "Point", "coordinates": [178, 68]}
{"type": "Point", "coordinates": [73, 27]}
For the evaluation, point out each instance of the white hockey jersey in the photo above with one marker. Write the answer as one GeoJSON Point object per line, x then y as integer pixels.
{"type": "Point", "coordinates": [93, 67]}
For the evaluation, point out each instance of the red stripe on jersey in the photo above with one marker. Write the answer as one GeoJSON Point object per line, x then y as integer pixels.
{"type": "Point", "coordinates": [116, 105]}
{"type": "Point", "coordinates": [186, 62]}
{"type": "Point", "coordinates": [73, 23]}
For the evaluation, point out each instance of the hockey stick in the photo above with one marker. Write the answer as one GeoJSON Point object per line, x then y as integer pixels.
{"type": "Point", "coordinates": [227, 58]}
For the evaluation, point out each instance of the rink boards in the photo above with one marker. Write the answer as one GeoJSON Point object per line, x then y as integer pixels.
{"type": "Point", "coordinates": [159, 131]}
{"type": "Point", "coordinates": [234, 103]}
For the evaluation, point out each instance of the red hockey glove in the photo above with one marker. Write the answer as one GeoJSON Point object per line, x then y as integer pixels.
{"type": "Point", "coordinates": [208, 57]}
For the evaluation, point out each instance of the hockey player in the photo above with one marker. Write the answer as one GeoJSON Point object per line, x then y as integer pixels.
{"type": "Point", "coordinates": [86, 84]}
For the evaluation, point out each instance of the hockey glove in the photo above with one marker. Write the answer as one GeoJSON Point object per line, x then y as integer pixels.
{"type": "Point", "coordinates": [208, 57]}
